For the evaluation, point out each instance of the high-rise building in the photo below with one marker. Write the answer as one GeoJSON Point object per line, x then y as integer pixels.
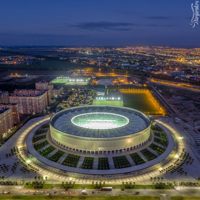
{"type": "Point", "coordinates": [4, 97]}
{"type": "Point", "coordinates": [45, 86]}
{"type": "Point", "coordinates": [57, 91]}
{"type": "Point", "coordinates": [30, 101]}
{"type": "Point", "coordinates": [6, 121]}
{"type": "Point", "coordinates": [15, 111]}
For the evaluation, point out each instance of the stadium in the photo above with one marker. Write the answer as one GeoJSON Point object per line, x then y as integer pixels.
{"type": "Point", "coordinates": [100, 129]}
{"type": "Point", "coordinates": [87, 142]}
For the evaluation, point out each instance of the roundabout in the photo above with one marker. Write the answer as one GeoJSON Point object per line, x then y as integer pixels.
{"type": "Point", "coordinates": [128, 158]}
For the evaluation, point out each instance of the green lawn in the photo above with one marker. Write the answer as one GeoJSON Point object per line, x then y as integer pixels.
{"type": "Point", "coordinates": [185, 198]}
{"type": "Point", "coordinates": [139, 102]}
{"type": "Point", "coordinates": [143, 100]}
{"type": "Point", "coordinates": [38, 197]}
{"type": "Point", "coordinates": [66, 81]}
{"type": "Point", "coordinates": [108, 103]}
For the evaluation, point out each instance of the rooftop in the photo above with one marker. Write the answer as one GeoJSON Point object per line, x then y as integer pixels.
{"type": "Point", "coordinates": [100, 121]}
{"type": "Point", "coordinates": [27, 93]}
{"type": "Point", "coordinates": [3, 109]}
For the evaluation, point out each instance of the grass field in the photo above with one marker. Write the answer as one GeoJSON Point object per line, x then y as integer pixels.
{"type": "Point", "coordinates": [69, 81]}
{"type": "Point", "coordinates": [143, 100]}
{"type": "Point", "coordinates": [108, 103]}
{"type": "Point", "coordinates": [185, 198]}
{"type": "Point", "coordinates": [139, 99]}
{"type": "Point", "coordinates": [38, 197]}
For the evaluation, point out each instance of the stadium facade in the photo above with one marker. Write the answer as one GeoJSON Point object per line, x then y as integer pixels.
{"type": "Point", "coordinates": [100, 129]}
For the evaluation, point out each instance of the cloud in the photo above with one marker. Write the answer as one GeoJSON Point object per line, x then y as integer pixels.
{"type": "Point", "coordinates": [103, 26]}
{"type": "Point", "coordinates": [153, 25]}
{"type": "Point", "coordinates": [117, 26]}
{"type": "Point", "coordinates": [158, 17]}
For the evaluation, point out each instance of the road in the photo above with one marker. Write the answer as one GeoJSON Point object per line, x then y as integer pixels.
{"type": "Point", "coordinates": [162, 100]}
{"type": "Point", "coordinates": [178, 85]}
{"type": "Point", "coordinates": [20, 190]}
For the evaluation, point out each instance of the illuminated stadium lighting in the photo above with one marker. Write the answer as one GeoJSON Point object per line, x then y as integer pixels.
{"type": "Point", "coordinates": [97, 128]}
{"type": "Point", "coordinates": [176, 156]}
{"type": "Point", "coordinates": [28, 161]}
{"type": "Point", "coordinates": [108, 98]}
{"type": "Point", "coordinates": [76, 140]}
{"type": "Point", "coordinates": [68, 80]}
{"type": "Point", "coordinates": [100, 120]}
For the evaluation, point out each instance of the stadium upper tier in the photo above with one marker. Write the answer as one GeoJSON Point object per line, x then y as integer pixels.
{"type": "Point", "coordinates": [100, 121]}
{"type": "Point", "coordinates": [100, 129]}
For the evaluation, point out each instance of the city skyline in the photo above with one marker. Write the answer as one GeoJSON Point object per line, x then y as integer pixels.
{"type": "Point", "coordinates": [100, 99]}
{"type": "Point", "coordinates": [93, 23]}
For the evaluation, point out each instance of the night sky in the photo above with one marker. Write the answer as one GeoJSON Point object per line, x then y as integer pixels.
{"type": "Point", "coordinates": [98, 22]}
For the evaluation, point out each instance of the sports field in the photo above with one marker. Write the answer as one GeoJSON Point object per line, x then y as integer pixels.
{"type": "Point", "coordinates": [143, 100]}
{"type": "Point", "coordinates": [70, 81]}
{"type": "Point", "coordinates": [108, 102]}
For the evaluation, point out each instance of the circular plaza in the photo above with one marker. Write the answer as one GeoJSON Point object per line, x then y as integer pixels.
{"type": "Point", "coordinates": [99, 142]}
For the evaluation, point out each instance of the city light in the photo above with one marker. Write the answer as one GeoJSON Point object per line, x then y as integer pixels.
{"type": "Point", "coordinates": [98, 103]}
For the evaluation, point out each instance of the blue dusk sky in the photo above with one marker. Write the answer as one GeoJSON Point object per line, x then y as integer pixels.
{"type": "Point", "coordinates": [98, 22]}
